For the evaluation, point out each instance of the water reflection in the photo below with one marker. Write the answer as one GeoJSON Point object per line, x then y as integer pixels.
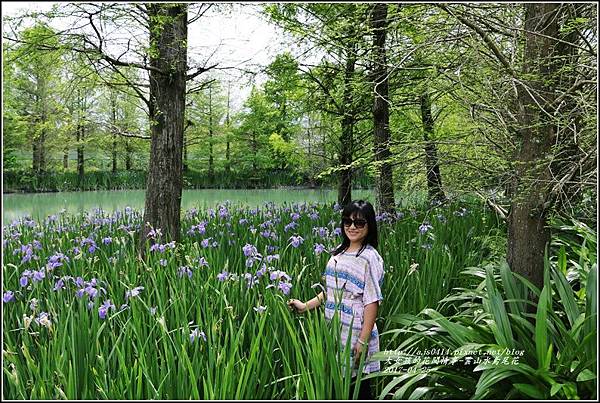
{"type": "Point", "coordinates": [40, 205]}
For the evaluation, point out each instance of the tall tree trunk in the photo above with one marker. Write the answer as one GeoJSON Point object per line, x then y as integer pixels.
{"type": "Point", "coordinates": [80, 156]}
{"type": "Point", "coordinates": [128, 150]}
{"type": "Point", "coordinates": [211, 168]}
{"type": "Point", "coordinates": [65, 159]}
{"type": "Point", "coordinates": [434, 177]}
{"type": "Point", "coordinates": [113, 104]}
{"type": "Point", "coordinates": [347, 135]}
{"type": "Point", "coordinates": [114, 154]}
{"type": "Point", "coordinates": [528, 233]}
{"type": "Point", "coordinates": [168, 36]}
{"type": "Point", "coordinates": [381, 112]}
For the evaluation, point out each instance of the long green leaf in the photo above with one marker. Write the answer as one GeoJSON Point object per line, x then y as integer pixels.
{"type": "Point", "coordinates": [541, 329]}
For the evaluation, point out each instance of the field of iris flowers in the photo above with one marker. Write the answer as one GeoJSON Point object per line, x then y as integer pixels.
{"type": "Point", "coordinates": [206, 318]}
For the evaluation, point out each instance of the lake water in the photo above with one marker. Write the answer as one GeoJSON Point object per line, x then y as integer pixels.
{"type": "Point", "coordinates": [41, 205]}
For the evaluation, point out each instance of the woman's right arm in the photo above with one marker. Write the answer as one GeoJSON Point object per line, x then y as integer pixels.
{"type": "Point", "coordinates": [315, 302]}
{"type": "Point", "coordinates": [302, 307]}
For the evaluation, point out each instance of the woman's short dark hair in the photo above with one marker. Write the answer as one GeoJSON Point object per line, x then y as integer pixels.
{"type": "Point", "coordinates": [360, 209]}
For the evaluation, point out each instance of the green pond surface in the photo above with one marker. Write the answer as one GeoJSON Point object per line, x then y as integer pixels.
{"type": "Point", "coordinates": [40, 205]}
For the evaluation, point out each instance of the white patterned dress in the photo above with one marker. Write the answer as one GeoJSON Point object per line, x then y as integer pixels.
{"type": "Point", "coordinates": [352, 283]}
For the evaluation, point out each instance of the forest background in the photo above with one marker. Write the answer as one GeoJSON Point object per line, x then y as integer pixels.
{"type": "Point", "coordinates": [494, 102]}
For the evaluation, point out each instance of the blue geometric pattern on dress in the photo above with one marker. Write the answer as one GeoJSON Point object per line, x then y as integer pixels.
{"type": "Point", "coordinates": [345, 276]}
{"type": "Point", "coordinates": [342, 307]}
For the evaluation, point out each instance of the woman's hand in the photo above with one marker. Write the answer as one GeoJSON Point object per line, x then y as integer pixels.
{"type": "Point", "coordinates": [358, 350]}
{"type": "Point", "coordinates": [297, 305]}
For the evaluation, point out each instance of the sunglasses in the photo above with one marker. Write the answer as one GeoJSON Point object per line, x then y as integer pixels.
{"type": "Point", "coordinates": [357, 223]}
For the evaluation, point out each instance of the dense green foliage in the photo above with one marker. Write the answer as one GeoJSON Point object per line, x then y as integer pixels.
{"type": "Point", "coordinates": [500, 344]}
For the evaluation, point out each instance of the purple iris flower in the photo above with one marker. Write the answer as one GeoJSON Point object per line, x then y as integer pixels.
{"type": "Point", "coordinates": [78, 282]}
{"type": "Point", "coordinates": [202, 261]}
{"type": "Point", "coordinates": [263, 269]}
{"type": "Point", "coordinates": [59, 285]}
{"type": "Point", "coordinates": [197, 333]}
{"type": "Point", "coordinates": [223, 212]}
{"type": "Point", "coordinates": [337, 231]}
{"type": "Point", "coordinates": [134, 292]}
{"type": "Point", "coordinates": [278, 274]}
{"type": "Point", "coordinates": [314, 216]}
{"type": "Point", "coordinates": [243, 221]}
{"type": "Point", "coordinates": [8, 296]}
{"type": "Point", "coordinates": [104, 308]}
{"type": "Point", "coordinates": [184, 270]}
{"type": "Point", "coordinates": [56, 260]}
{"type": "Point", "coordinates": [23, 281]}
{"type": "Point", "coordinates": [319, 248]}
{"type": "Point", "coordinates": [285, 287]}
{"type": "Point", "coordinates": [107, 240]}
{"type": "Point", "coordinates": [249, 250]}
{"type": "Point", "coordinates": [290, 226]}
{"type": "Point", "coordinates": [222, 276]}
{"type": "Point", "coordinates": [191, 213]}
{"type": "Point", "coordinates": [38, 275]}
{"type": "Point", "coordinates": [296, 240]}
{"type": "Point", "coordinates": [321, 231]}
{"type": "Point", "coordinates": [423, 228]}
{"type": "Point", "coordinates": [163, 262]}
{"type": "Point", "coordinates": [295, 216]}
{"type": "Point", "coordinates": [91, 291]}
{"type": "Point", "coordinates": [270, 258]}
{"type": "Point", "coordinates": [260, 308]}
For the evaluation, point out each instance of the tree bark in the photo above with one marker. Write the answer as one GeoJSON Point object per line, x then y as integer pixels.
{"type": "Point", "coordinates": [168, 43]}
{"type": "Point", "coordinates": [381, 113]}
{"type": "Point", "coordinates": [434, 176]}
{"type": "Point", "coordinates": [65, 159]}
{"type": "Point", "coordinates": [80, 150]}
{"type": "Point", "coordinates": [128, 150]}
{"type": "Point", "coordinates": [528, 233]}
